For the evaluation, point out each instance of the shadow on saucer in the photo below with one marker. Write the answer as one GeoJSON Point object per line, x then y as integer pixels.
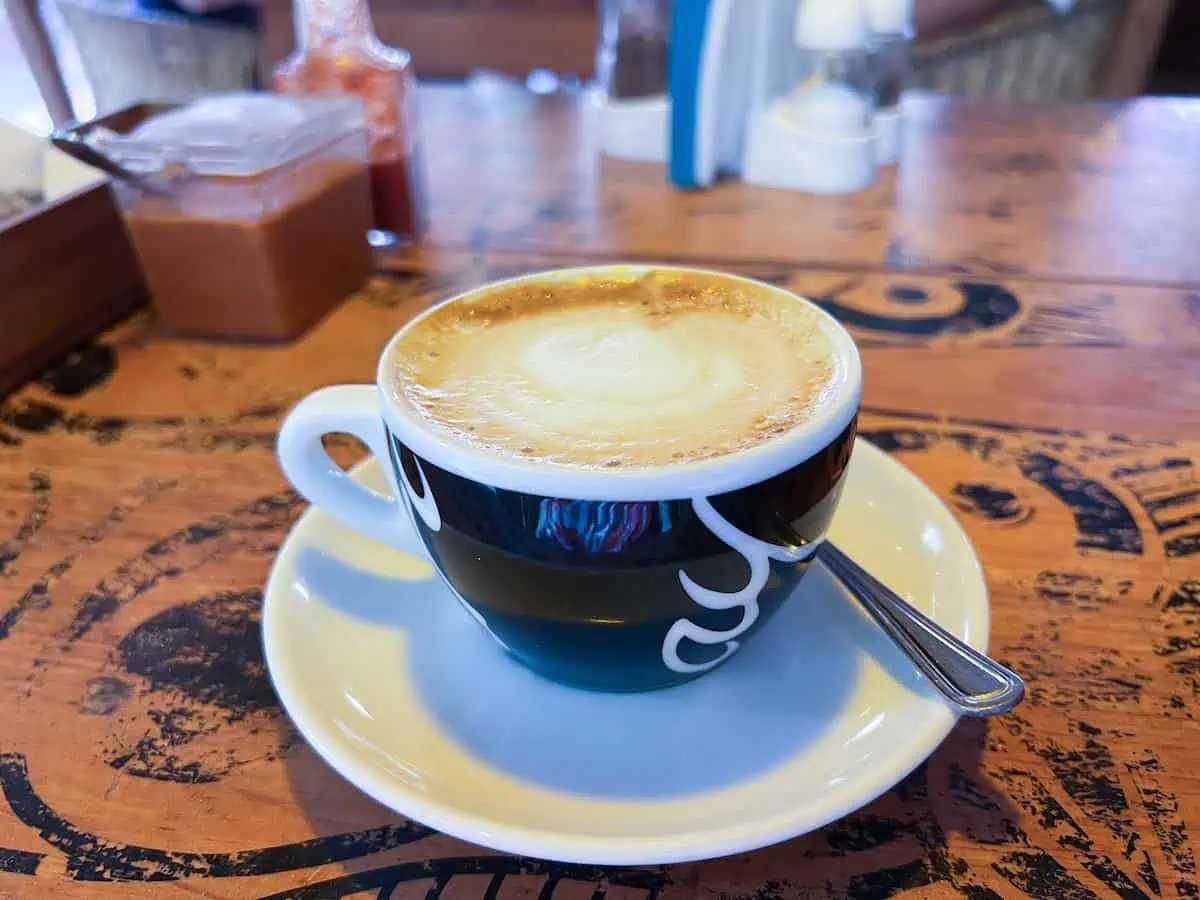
{"type": "Point", "coordinates": [857, 625]}
{"type": "Point", "coordinates": [780, 694]}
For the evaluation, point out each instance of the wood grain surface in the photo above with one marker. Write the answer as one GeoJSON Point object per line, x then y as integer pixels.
{"type": "Point", "coordinates": [1028, 303]}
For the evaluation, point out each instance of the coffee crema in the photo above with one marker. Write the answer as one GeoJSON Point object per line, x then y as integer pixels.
{"type": "Point", "coordinates": [653, 369]}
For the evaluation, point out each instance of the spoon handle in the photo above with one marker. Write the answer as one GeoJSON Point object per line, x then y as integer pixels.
{"type": "Point", "coordinates": [73, 145]}
{"type": "Point", "coordinates": [972, 682]}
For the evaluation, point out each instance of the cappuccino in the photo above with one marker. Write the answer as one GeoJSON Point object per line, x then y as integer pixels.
{"type": "Point", "coordinates": [652, 369]}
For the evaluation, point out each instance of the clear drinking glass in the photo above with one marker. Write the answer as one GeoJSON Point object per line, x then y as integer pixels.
{"type": "Point", "coordinates": [631, 60]}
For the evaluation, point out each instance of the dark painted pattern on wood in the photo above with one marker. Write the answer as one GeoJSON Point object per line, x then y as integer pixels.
{"type": "Point", "coordinates": [1019, 805]}
{"type": "Point", "coordinates": [1030, 368]}
{"type": "Point", "coordinates": [92, 858]}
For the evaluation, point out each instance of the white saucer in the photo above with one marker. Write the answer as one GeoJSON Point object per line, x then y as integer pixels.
{"type": "Point", "coordinates": [393, 683]}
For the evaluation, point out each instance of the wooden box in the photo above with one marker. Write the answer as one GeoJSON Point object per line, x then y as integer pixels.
{"type": "Point", "coordinates": [67, 267]}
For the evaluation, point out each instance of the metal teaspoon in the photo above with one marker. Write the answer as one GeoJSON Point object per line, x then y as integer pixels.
{"type": "Point", "coordinates": [973, 683]}
{"type": "Point", "coordinates": [74, 145]}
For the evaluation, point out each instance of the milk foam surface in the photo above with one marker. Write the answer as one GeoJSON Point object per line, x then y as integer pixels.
{"type": "Point", "coordinates": [648, 370]}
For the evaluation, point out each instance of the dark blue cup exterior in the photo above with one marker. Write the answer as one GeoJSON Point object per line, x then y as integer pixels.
{"type": "Point", "coordinates": [623, 596]}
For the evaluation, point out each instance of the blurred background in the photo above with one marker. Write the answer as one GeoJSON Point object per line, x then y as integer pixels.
{"type": "Point", "coordinates": [72, 59]}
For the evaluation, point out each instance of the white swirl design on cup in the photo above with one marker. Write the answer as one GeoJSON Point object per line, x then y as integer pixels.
{"type": "Point", "coordinates": [758, 555]}
{"type": "Point", "coordinates": [424, 505]}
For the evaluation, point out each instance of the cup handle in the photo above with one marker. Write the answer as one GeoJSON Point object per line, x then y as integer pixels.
{"type": "Point", "coordinates": [346, 409]}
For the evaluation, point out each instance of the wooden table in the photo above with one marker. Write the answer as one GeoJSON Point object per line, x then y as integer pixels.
{"type": "Point", "coordinates": [1027, 295]}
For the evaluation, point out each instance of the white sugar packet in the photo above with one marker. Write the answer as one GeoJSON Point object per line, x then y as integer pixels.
{"type": "Point", "coordinates": [22, 160]}
{"type": "Point", "coordinates": [30, 165]}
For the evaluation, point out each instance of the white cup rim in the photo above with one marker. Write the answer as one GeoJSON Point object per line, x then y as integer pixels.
{"type": "Point", "coordinates": [701, 478]}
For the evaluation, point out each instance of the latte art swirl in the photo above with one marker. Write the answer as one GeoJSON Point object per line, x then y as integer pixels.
{"type": "Point", "coordinates": [645, 371]}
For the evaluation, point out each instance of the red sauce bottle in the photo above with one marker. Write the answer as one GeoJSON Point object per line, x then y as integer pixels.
{"type": "Point", "coordinates": [339, 53]}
